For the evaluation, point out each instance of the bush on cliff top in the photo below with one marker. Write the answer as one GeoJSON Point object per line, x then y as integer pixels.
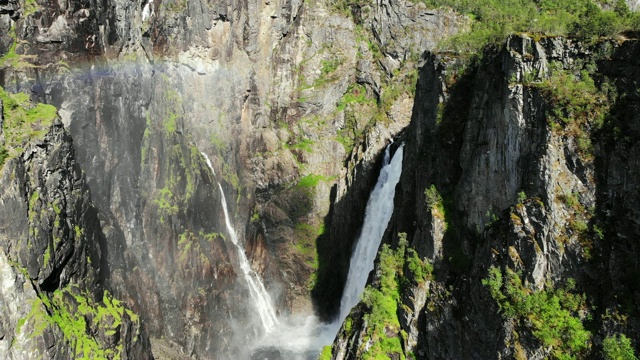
{"type": "Point", "coordinates": [493, 20]}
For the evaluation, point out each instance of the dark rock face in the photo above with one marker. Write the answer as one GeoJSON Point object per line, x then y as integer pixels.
{"type": "Point", "coordinates": [519, 193]}
{"type": "Point", "coordinates": [54, 263]}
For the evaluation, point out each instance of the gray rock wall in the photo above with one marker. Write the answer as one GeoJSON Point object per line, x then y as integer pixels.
{"type": "Point", "coordinates": [53, 262]}
{"type": "Point", "coordinates": [516, 186]}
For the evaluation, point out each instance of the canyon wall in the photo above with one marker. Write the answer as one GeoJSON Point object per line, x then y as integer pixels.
{"type": "Point", "coordinates": [512, 235]}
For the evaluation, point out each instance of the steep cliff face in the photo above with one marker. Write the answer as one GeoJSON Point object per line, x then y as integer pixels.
{"type": "Point", "coordinates": [53, 263]}
{"type": "Point", "coordinates": [291, 101]}
{"type": "Point", "coordinates": [510, 221]}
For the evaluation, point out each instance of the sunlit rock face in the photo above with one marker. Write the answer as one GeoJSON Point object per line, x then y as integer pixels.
{"type": "Point", "coordinates": [281, 110]}
{"type": "Point", "coordinates": [282, 96]}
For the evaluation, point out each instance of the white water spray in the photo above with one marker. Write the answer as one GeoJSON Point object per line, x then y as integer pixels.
{"type": "Point", "coordinates": [259, 295]}
{"type": "Point", "coordinates": [208, 162]}
{"type": "Point", "coordinates": [377, 215]}
{"type": "Point", "coordinates": [303, 338]}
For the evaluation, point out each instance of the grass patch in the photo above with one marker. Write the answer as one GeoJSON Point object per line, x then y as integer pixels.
{"type": "Point", "coordinates": [492, 21]}
{"type": "Point", "coordinates": [618, 347]}
{"type": "Point", "coordinates": [310, 181]}
{"type": "Point", "coordinates": [23, 121]}
{"type": "Point", "coordinates": [79, 318]}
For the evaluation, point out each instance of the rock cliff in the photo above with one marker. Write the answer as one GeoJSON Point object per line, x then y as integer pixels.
{"type": "Point", "coordinates": [509, 233]}
{"type": "Point", "coordinates": [54, 300]}
{"type": "Point", "coordinates": [514, 182]}
{"type": "Point", "coordinates": [291, 101]}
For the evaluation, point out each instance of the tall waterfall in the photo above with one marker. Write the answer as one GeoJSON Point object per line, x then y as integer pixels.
{"type": "Point", "coordinates": [303, 337]}
{"type": "Point", "coordinates": [377, 216]}
{"type": "Point", "coordinates": [259, 295]}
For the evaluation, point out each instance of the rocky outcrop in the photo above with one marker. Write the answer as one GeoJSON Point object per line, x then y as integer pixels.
{"type": "Point", "coordinates": [53, 264]}
{"type": "Point", "coordinates": [506, 191]}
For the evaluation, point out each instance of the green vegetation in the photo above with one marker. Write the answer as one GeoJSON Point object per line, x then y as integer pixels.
{"type": "Point", "coordinates": [521, 197]}
{"type": "Point", "coordinates": [327, 71]}
{"type": "Point", "coordinates": [356, 94]}
{"type": "Point", "coordinates": [23, 121]}
{"type": "Point", "coordinates": [304, 145]}
{"type": "Point", "coordinates": [175, 6]}
{"type": "Point", "coordinates": [551, 315]}
{"type": "Point", "coordinates": [30, 7]}
{"type": "Point", "coordinates": [311, 181]}
{"type": "Point", "coordinates": [174, 101]}
{"type": "Point", "coordinates": [352, 131]}
{"type": "Point", "coordinates": [4, 154]}
{"type": "Point", "coordinates": [11, 58]}
{"type": "Point", "coordinates": [383, 325]}
{"type": "Point", "coordinates": [79, 317]}
{"type": "Point", "coordinates": [166, 202]}
{"type": "Point", "coordinates": [421, 269]}
{"type": "Point", "coordinates": [578, 107]}
{"type": "Point", "coordinates": [618, 347]}
{"type": "Point", "coordinates": [326, 353]}
{"type": "Point", "coordinates": [436, 203]}
{"type": "Point", "coordinates": [305, 244]}
{"type": "Point", "coordinates": [493, 20]}
{"type": "Point", "coordinates": [382, 317]}
{"type": "Point", "coordinates": [432, 197]}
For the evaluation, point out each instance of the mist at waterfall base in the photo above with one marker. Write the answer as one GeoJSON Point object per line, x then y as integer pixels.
{"type": "Point", "coordinates": [302, 338]}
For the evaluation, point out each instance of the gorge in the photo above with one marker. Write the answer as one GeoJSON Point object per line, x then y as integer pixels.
{"type": "Point", "coordinates": [236, 179]}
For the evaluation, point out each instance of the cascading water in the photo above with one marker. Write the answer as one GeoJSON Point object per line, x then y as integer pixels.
{"type": "Point", "coordinates": [303, 338]}
{"type": "Point", "coordinates": [259, 295]}
{"type": "Point", "coordinates": [377, 215]}
{"type": "Point", "coordinates": [208, 162]}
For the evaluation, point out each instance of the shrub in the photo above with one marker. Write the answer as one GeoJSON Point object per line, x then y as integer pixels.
{"type": "Point", "coordinates": [432, 197]}
{"type": "Point", "coordinates": [493, 20]}
{"type": "Point", "coordinates": [326, 353]}
{"type": "Point", "coordinates": [618, 347]}
{"type": "Point", "coordinates": [551, 314]}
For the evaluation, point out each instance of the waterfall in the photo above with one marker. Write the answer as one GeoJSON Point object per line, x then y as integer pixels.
{"type": "Point", "coordinates": [304, 337]}
{"type": "Point", "coordinates": [259, 295]}
{"type": "Point", "coordinates": [208, 162]}
{"type": "Point", "coordinates": [377, 216]}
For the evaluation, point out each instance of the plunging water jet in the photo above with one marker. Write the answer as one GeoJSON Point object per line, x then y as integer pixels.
{"type": "Point", "coordinates": [302, 338]}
